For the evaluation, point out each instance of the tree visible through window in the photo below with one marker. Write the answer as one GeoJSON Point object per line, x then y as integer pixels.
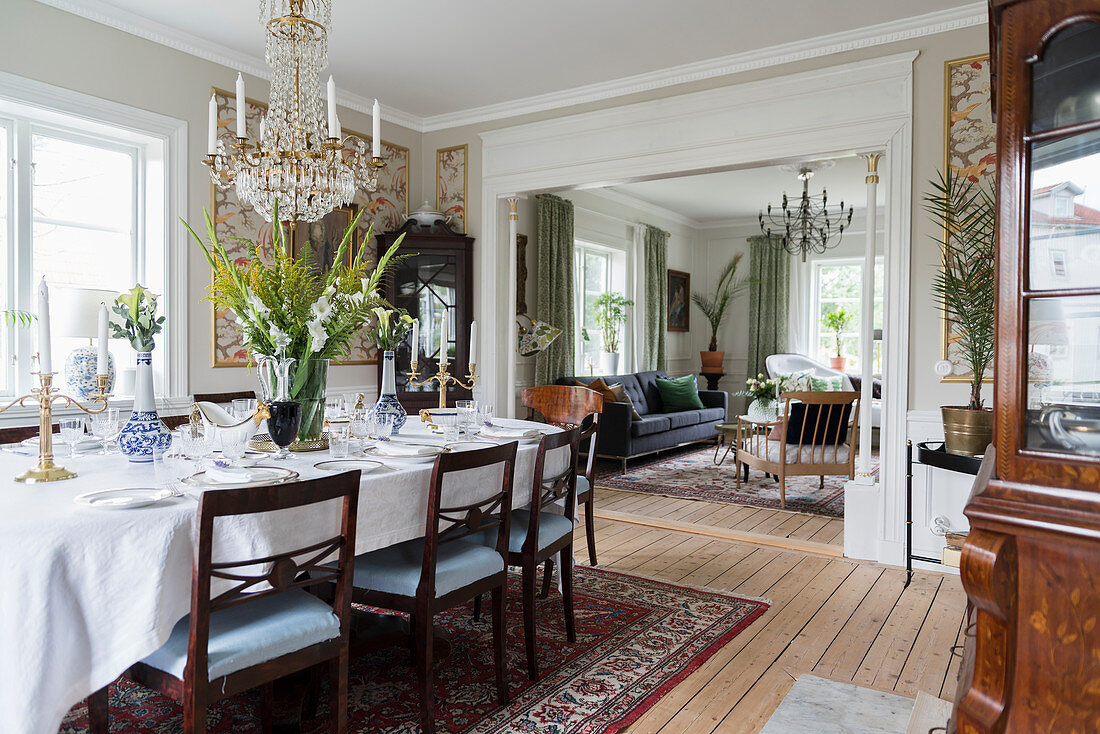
{"type": "Point", "coordinates": [838, 284]}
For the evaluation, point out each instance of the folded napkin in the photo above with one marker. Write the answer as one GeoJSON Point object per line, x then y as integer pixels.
{"type": "Point", "coordinates": [503, 432]}
{"type": "Point", "coordinates": [391, 448]}
{"type": "Point", "coordinates": [230, 474]}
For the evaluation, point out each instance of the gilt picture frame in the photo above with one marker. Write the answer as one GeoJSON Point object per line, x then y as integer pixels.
{"type": "Point", "coordinates": [679, 301]}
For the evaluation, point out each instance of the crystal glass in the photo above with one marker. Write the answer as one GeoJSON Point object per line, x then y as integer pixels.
{"type": "Point", "coordinates": [169, 466]}
{"type": "Point", "coordinates": [234, 444]}
{"type": "Point", "coordinates": [450, 431]}
{"type": "Point", "coordinates": [72, 429]}
{"type": "Point", "coordinates": [244, 407]}
{"type": "Point", "coordinates": [191, 440]}
{"type": "Point", "coordinates": [339, 442]}
{"type": "Point", "coordinates": [283, 425]}
{"type": "Point", "coordinates": [360, 426]}
{"type": "Point", "coordinates": [383, 426]}
{"type": "Point", "coordinates": [351, 399]}
{"type": "Point", "coordinates": [105, 426]}
{"type": "Point", "coordinates": [485, 411]}
{"type": "Point", "coordinates": [466, 412]}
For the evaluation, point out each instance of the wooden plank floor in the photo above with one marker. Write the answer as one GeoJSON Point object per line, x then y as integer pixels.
{"type": "Point", "coordinates": [835, 618]}
{"type": "Point", "coordinates": [777, 528]}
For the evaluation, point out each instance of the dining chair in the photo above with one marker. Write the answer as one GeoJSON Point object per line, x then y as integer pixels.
{"type": "Point", "coordinates": [536, 536]}
{"type": "Point", "coordinates": [448, 567]}
{"type": "Point", "coordinates": [815, 435]}
{"type": "Point", "coordinates": [222, 397]}
{"type": "Point", "coordinates": [263, 625]}
{"type": "Point", "coordinates": [567, 406]}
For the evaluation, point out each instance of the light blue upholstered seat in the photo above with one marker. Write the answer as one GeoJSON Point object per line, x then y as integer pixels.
{"type": "Point", "coordinates": [583, 484]}
{"type": "Point", "coordinates": [396, 569]}
{"type": "Point", "coordinates": [250, 633]}
{"type": "Point", "coordinates": [552, 527]}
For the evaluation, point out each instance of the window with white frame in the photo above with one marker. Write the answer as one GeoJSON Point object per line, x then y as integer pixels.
{"type": "Point", "coordinates": [83, 204]}
{"type": "Point", "coordinates": [597, 269]}
{"type": "Point", "coordinates": [838, 285]}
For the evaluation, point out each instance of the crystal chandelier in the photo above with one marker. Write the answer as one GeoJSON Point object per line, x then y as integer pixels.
{"type": "Point", "coordinates": [807, 226]}
{"type": "Point", "coordinates": [298, 159]}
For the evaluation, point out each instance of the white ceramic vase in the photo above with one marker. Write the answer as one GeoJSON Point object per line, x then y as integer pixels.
{"type": "Point", "coordinates": [144, 431]}
{"type": "Point", "coordinates": [609, 363]}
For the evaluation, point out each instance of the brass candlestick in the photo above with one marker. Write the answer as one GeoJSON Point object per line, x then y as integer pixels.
{"type": "Point", "coordinates": [444, 379]}
{"type": "Point", "coordinates": [45, 395]}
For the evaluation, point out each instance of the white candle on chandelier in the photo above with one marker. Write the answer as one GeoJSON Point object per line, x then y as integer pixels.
{"type": "Point", "coordinates": [45, 360]}
{"type": "Point", "coordinates": [242, 111]}
{"type": "Point", "coordinates": [376, 137]}
{"type": "Point", "coordinates": [443, 338]}
{"type": "Point", "coordinates": [473, 345]}
{"type": "Point", "coordinates": [339, 129]}
{"type": "Point", "coordinates": [101, 357]}
{"type": "Point", "coordinates": [416, 341]}
{"type": "Point", "coordinates": [263, 127]}
{"type": "Point", "coordinates": [212, 128]}
{"type": "Point", "coordinates": [332, 107]}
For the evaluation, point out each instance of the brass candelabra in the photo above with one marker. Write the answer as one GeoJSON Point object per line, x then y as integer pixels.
{"type": "Point", "coordinates": [45, 395]}
{"type": "Point", "coordinates": [444, 378]}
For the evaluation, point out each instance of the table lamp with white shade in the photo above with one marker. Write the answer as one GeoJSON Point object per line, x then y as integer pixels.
{"type": "Point", "coordinates": [76, 314]}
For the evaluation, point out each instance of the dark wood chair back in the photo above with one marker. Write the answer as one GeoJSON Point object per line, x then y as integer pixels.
{"type": "Point", "coordinates": [224, 397]}
{"type": "Point", "coordinates": [548, 490]}
{"type": "Point", "coordinates": [301, 568]}
{"type": "Point", "coordinates": [447, 523]}
{"type": "Point", "coordinates": [567, 406]}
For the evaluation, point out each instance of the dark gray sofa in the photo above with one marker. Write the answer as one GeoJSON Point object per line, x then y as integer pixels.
{"type": "Point", "coordinates": [624, 437]}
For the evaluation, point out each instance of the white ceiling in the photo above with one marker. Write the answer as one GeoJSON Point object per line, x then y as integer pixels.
{"type": "Point", "coordinates": [714, 198]}
{"type": "Point", "coordinates": [433, 58]}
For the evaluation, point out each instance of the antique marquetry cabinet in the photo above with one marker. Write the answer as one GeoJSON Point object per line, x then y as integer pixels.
{"type": "Point", "coordinates": [1031, 565]}
{"type": "Point", "coordinates": [436, 276]}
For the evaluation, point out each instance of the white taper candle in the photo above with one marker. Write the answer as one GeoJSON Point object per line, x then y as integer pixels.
{"type": "Point", "coordinates": [473, 345]}
{"type": "Point", "coordinates": [45, 358]}
{"type": "Point", "coordinates": [331, 107]}
{"type": "Point", "coordinates": [416, 341]}
{"type": "Point", "coordinates": [242, 108]}
{"type": "Point", "coordinates": [101, 357]}
{"type": "Point", "coordinates": [212, 128]}
{"type": "Point", "coordinates": [376, 130]}
{"type": "Point", "coordinates": [443, 338]}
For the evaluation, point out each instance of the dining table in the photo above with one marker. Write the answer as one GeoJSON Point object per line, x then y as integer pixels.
{"type": "Point", "coordinates": [92, 591]}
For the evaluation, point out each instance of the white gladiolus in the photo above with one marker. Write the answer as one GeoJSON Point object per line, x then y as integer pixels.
{"type": "Point", "coordinates": [317, 332]}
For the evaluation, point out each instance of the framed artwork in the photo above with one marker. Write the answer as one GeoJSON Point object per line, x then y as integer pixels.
{"type": "Point", "coordinates": [970, 150]}
{"type": "Point", "coordinates": [450, 192]}
{"type": "Point", "coordinates": [387, 208]}
{"type": "Point", "coordinates": [322, 239]}
{"type": "Point", "coordinates": [521, 273]}
{"type": "Point", "coordinates": [679, 300]}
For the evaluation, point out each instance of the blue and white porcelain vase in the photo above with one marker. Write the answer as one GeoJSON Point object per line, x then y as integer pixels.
{"type": "Point", "coordinates": [388, 404]}
{"type": "Point", "coordinates": [80, 372]}
{"type": "Point", "coordinates": [144, 431]}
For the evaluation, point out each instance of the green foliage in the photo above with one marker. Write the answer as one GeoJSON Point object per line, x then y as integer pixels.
{"type": "Point", "coordinates": [138, 310]}
{"type": "Point", "coordinates": [714, 306]}
{"type": "Point", "coordinates": [387, 332]}
{"type": "Point", "coordinates": [16, 317]}
{"type": "Point", "coordinates": [284, 305]}
{"type": "Point", "coordinates": [966, 282]}
{"type": "Point", "coordinates": [836, 322]}
{"type": "Point", "coordinates": [610, 315]}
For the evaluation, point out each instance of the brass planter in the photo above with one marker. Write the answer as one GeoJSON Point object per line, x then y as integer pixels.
{"type": "Point", "coordinates": [966, 432]}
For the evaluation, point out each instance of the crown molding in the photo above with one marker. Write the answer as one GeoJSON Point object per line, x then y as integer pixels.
{"type": "Point", "coordinates": [876, 35]}
{"type": "Point", "coordinates": [917, 26]}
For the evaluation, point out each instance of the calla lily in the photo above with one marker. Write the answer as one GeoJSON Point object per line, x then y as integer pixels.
{"type": "Point", "coordinates": [383, 318]}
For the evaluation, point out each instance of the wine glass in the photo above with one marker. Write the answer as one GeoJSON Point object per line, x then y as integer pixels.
{"type": "Point", "coordinates": [283, 425]}
{"type": "Point", "coordinates": [362, 426]}
{"type": "Point", "coordinates": [466, 410]}
{"type": "Point", "coordinates": [71, 431]}
{"type": "Point", "coordinates": [244, 408]}
{"type": "Point", "coordinates": [485, 410]}
{"type": "Point", "coordinates": [104, 426]}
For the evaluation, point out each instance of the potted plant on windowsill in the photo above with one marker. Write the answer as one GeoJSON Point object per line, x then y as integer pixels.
{"type": "Point", "coordinates": [610, 316]}
{"type": "Point", "coordinates": [965, 287]}
{"type": "Point", "coordinates": [714, 309]}
{"type": "Point", "coordinates": [836, 322]}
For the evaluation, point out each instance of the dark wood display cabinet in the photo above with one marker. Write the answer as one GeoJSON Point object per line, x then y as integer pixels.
{"type": "Point", "coordinates": [1031, 565]}
{"type": "Point", "coordinates": [437, 276]}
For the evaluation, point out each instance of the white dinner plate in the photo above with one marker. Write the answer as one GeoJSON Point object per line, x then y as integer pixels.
{"type": "Point", "coordinates": [459, 446]}
{"type": "Point", "coordinates": [506, 439]}
{"type": "Point", "coordinates": [87, 443]}
{"type": "Point", "coordinates": [336, 465]}
{"type": "Point", "coordinates": [261, 476]}
{"type": "Point", "coordinates": [374, 453]}
{"type": "Point", "coordinates": [122, 499]}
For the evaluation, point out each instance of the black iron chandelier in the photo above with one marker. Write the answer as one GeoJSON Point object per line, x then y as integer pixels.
{"type": "Point", "coordinates": [805, 226]}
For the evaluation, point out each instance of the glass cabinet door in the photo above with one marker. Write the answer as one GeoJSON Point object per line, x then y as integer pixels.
{"type": "Point", "coordinates": [425, 286]}
{"type": "Point", "coordinates": [1062, 289]}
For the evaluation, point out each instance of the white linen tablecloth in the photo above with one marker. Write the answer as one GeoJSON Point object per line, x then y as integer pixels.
{"type": "Point", "coordinates": [92, 591]}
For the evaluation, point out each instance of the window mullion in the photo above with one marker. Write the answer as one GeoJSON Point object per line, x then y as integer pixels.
{"type": "Point", "coordinates": [22, 250]}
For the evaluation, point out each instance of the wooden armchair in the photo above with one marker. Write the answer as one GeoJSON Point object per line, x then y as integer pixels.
{"type": "Point", "coordinates": [813, 436]}
{"type": "Point", "coordinates": [570, 407]}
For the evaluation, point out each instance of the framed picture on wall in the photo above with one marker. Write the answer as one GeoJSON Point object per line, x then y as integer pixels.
{"type": "Point", "coordinates": [679, 297]}
{"type": "Point", "coordinates": [321, 239]}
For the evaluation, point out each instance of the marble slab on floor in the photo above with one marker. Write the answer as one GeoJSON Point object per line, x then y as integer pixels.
{"type": "Point", "coordinates": [827, 707]}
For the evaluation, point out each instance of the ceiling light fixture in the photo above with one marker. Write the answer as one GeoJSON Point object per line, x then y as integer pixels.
{"type": "Point", "coordinates": [807, 226]}
{"type": "Point", "coordinates": [298, 159]}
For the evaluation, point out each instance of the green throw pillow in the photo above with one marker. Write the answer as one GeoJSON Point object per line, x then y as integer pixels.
{"type": "Point", "coordinates": [679, 394]}
{"type": "Point", "coordinates": [826, 384]}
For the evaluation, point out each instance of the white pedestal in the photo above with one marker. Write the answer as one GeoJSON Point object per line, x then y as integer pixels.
{"type": "Point", "coordinates": [861, 505]}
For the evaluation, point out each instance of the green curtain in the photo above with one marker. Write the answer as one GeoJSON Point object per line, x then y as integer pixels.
{"type": "Point", "coordinates": [555, 287]}
{"type": "Point", "coordinates": [656, 299]}
{"type": "Point", "coordinates": [769, 300]}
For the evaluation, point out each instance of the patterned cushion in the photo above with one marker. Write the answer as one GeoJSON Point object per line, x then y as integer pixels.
{"type": "Point", "coordinates": [253, 632]}
{"type": "Point", "coordinates": [396, 569]}
{"type": "Point", "coordinates": [827, 384]}
{"type": "Point", "coordinates": [800, 381]}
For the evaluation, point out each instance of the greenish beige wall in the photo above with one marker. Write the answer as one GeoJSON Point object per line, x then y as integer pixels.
{"type": "Point", "coordinates": [48, 45]}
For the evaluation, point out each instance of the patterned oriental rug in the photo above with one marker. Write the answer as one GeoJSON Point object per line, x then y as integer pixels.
{"type": "Point", "coordinates": [691, 474]}
{"type": "Point", "coordinates": [636, 639]}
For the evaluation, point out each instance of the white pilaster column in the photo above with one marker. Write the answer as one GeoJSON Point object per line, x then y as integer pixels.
{"type": "Point", "coordinates": [867, 323]}
{"type": "Point", "coordinates": [510, 305]}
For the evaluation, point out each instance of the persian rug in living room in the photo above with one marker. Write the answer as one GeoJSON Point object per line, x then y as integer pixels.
{"type": "Point", "coordinates": [691, 473]}
{"type": "Point", "coordinates": [636, 639]}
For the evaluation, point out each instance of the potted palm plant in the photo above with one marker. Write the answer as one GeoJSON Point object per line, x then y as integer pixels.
{"type": "Point", "coordinates": [965, 287]}
{"type": "Point", "coordinates": [714, 309]}
{"type": "Point", "coordinates": [836, 322]}
{"type": "Point", "coordinates": [610, 316]}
